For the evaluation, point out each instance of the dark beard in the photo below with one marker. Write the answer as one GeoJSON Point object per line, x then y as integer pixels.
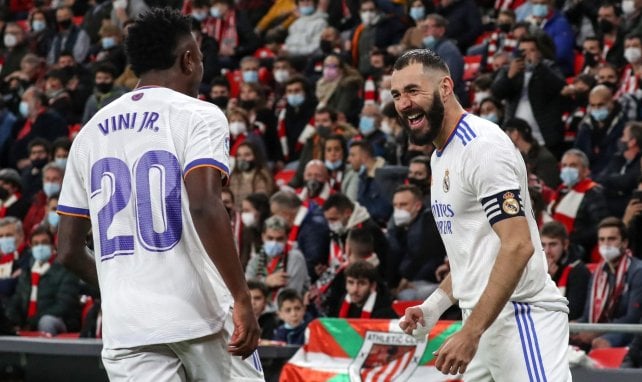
{"type": "Point", "coordinates": [435, 119]}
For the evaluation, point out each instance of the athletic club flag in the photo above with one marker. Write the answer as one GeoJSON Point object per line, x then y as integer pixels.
{"type": "Point", "coordinates": [363, 350]}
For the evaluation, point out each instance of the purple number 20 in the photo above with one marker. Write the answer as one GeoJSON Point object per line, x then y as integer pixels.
{"type": "Point", "coordinates": [118, 174]}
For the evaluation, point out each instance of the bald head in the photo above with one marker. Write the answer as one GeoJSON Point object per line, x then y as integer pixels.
{"type": "Point", "coordinates": [315, 170]}
{"type": "Point", "coordinates": [601, 97]}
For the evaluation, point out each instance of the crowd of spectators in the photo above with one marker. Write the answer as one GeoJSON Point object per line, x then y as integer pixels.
{"type": "Point", "coordinates": [329, 201]}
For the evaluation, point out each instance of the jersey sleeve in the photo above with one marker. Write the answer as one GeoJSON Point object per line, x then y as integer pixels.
{"type": "Point", "coordinates": [493, 174]}
{"type": "Point", "coordinates": [74, 200]}
{"type": "Point", "coordinates": [208, 142]}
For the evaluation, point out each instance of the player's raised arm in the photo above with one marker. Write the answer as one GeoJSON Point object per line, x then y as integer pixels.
{"type": "Point", "coordinates": [211, 221]}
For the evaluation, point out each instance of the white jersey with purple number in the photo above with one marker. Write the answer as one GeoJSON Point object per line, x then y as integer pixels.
{"type": "Point", "coordinates": [126, 173]}
{"type": "Point", "coordinates": [478, 179]}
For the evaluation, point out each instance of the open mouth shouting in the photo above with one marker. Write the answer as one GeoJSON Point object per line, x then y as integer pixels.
{"type": "Point", "coordinates": [416, 119]}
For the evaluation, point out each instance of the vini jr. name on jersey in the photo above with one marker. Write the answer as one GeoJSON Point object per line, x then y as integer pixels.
{"type": "Point", "coordinates": [130, 121]}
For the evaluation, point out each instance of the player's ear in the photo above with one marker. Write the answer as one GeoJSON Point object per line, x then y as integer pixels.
{"type": "Point", "coordinates": [187, 62]}
{"type": "Point", "coordinates": [446, 87]}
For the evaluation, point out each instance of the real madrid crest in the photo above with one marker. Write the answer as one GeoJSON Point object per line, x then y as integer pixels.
{"type": "Point", "coordinates": [510, 204]}
{"type": "Point", "coordinates": [446, 184]}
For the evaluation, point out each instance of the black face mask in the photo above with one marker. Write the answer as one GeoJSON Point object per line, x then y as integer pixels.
{"type": "Point", "coordinates": [104, 87]}
{"type": "Point", "coordinates": [4, 194]}
{"type": "Point", "coordinates": [606, 26]}
{"type": "Point", "coordinates": [504, 27]}
{"type": "Point", "coordinates": [314, 187]}
{"type": "Point", "coordinates": [326, 46]}
{"type": "Point", "coordinates": [324, 131]}
{"type": "Point", "coordinates": [613, 86]}
{"type": "Point", "coordinates": [39, 163]}
{"type": "Point", "coordinates": [220, 101]}
{"type": "Point", "coordinates": [248, 104]}
{"type": "Point", "coordinates": [590, 59]}
{"type": "Point", "coordinates": [64, 24]}
{"type": "Point", "coordinates": [245, 165]}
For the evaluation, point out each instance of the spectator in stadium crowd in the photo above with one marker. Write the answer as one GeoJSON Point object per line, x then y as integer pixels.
{"type": "Point", "coordinates": [370, 129]}
{"type": "Point", "coordinates": [282, 70]}
{"type": "Point", "coordinates": [40, 33]}
{"type": "Point", "coordinates": [92, 20]}
{"type": "Point", "coordinates": [68, 37]}
{"type": "Point", "coordinates": [232, 30]}
{"type": "Point", "coordinates": [579, 202]}
{"type": "Point", "coordinates": [264, 310]}
{"type": "Point", "coordinates": [416, 249]}
{"type": "Point", "coordinates": [532, 87]}
{"type": "Point", "coordinates": [104, 90]}
{"type": "Point", "coordinates": [556, 26]}
{"type": "Point", "coordinates": [377, 29]}
{"type": "Point", "coordinates": [31, 177]}
{"type": "Point", "coordinates": [492, 110]}
{"type": "Point", "coordinates": [500, 40]}
{"type": "Point", "coordinates": [576, 98]}
{"type": "Point", "coordinates": [308, 229]}
{"type": "Point", "coordinates": [291, 310]}
{"type": "Point", "coordinates": [568, 271]}
{"type": "Point", "coordinates": [31, 72]}
{"type": "Point", "coordinates": [592, 48]}
{"type": "Point", "coordinates": [60, 151]}
{"type": "Point", "coordinates": [600, 131]}
{"type": "Point", "coordinates": [255, 209]}
{"type": "Point", "coordinates": [316, 184]}
{"type": "Point", "coordinates": [47, 296]}
{"type": "Point", "coordinates": [335, 153]}
{"type": "Point", "coordinates": [607, 75]}
{"type": "Point", "coordinates": [51, 219]}
{"type": "Point", "coordinates": [292, 120]}
{"type": "Point", "coordinates": [14, 255]}
{"type": "Point", "coordinates": [436, 38]}
{"type": "Point", "coordinates": [250, 174]}
{"type": "Point", "coordinates": [37, 121]}
{"type": "Point", "coordinates": [58, 98]}
{"type": "Point", "coordinates": [305, 32]}
{"type": "Point", "coordinates": [419, 175]}
{"type": "Point", "coordinates": [611, 34]}
{"type": "Point", "coordinates": [620, 177]}
{"type": "Point", "coordinates": [330, 43]}
{"type": "Point", "coordinates": [51, 182]}
{"type": "Point", "coordinates": [464, 21]}
{"type": "Point", "coordinates": [13, 202]}
{"type": "Point", "coordinates": [339, 88]}
{"type": "Point", "coordinates": [209, 49]}
{"type": "Point", "coordinates": [229, 202]}
{"type": "Point", "coordinates": [632, 15]}
{"type": "Point", "coordinates": [366, 296]}
{"type": "Point", "coordinates": [615, 289]}
{"type": "Point", "coordinates": [632, 72]}
{"type": "Point", "coordinates": [219, 93]}
{"type": "Point", "coordinates": [242, 130]}
{"type": "Point", "coordinates": [16, 47]}
{"type": "Point", "coordinates": [81, 81]}
{"type": "Point", "coordinates": [369, 193]}
{"type": "Point", "coordinates": [110, 49]}
{"type": "Point", "coordinates": [539, 160]}
{"type": "Point", "coordinates": [413, 37]}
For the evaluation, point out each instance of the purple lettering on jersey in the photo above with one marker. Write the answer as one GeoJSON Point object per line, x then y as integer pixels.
{"type": "Point", "coordinates": [104, 129]}
{"type": "Point", "coordinates": [137, 96]}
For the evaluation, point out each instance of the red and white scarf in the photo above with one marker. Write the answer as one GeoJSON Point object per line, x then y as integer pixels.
{"type": "Point", "coordinates": [306, 133]}
{"type": "Point", "coordinates": [337, 262]}
{"type": "Point", "coordinates": [629, 81]}
{"type": "Point", "coordinates": [223, 30]}
{"type": "Point", "coordinates": [8, 203]}
{"type": "Point", "coordinates": [564, 207]}
{"type": "Point", "coordinates": [604, 298]}
{"type": "Point", "coordinates": [6, 264]}
{"type": "Point", "coordinates": [508, 44]}
{"type": "Point", "coordinates": [335, 180]}
{"type": "Point", "coordinates": [320, 199]}
{"type": "Point", "coordinates": [37, 271]}
{"type": "Point", "coordinates": [366, 311]}
{"type": "Point", "coordinates": [508, 4]}
{"type": "Point", "coordinates": [294, 231]}
{"type": "Point", "coordinates": [571, 121]}
{"type": "Point", "coordinates": [369, 92]}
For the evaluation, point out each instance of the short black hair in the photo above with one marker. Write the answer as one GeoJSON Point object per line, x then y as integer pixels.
{"type": "Point", "coordinates": [258, 285]}
{"type": "Point", "coordinates": [635, 131]}
{"type": "Point", "coordinates": [555, 230]}
{"type": "Point", "coordinates": [41, 229]}
{"type": "Point", "coordinates": [362, 270]}
{"type": "Point", "coordinates": [151, 42]}
{"type": "Point", "coordinates": [288, 294]}
{"type": "Point", "coordinates": [339, 201]}
{"type": "Point", "coordinates": [361, 242]}
{"type": "Point", "coordinates": [426, 57]}
{"type": "Point", "coordinates": [61, 143]}
{"type": "Point", "coordinates": [595, 38]}
{"type": "Point", "coordinates": [422, 159]}
{"type": "Point", "coordinates": [613, 222]}
{"type": "Point", "coordinates": [522, 126]}
{"type": "Point", "coordinates": [220, 81]}
{"type": "Point", "coordinates": [632, 36]}
{"type": "Point", "coordinates": [327, 110]}
{"type": "Point", "coordinates": [365, 146]}
{"type": "Point", "coordinates": [39, 142]}
{"type": "Point", "coordinates": [106, 67]}
{"type": "Point", "coordinates": [342, 142]}
{"type": "Point", "coordinates": [299, 79]}
{"type": "Point", "coordinates": [414, 190]}
{"type": "Point", "coordinates": [261, 203]}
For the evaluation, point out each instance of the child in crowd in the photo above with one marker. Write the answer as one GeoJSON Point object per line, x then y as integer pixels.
{"type": "Point", "coordinates": [292, 312]}
{"type": "Point", "coordinates": [263, 310]}
{"type": "Point", "coordinates": [365, 296]}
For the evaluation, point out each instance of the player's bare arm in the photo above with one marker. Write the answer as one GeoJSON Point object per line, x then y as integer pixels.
{"type": "Point", "coordinates": [428, 313]}
{"type": "Point", "coordinates": [203, 186]}
{"type": "Point", "coordinates": [515, 251]}
{"type": "Point", "coordinates": [72, 248]}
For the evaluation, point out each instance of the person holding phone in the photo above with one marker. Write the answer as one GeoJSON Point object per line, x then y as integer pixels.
{"type": "Point", "coordinates": [633, 221]}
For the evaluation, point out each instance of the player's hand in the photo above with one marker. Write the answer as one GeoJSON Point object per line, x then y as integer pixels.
{"type": "Point", "coordinates": [454, 355]}
{"type": "Point", "coordinates": [411, 319]}
{"type": "Point", "coordinates": [245, 337]}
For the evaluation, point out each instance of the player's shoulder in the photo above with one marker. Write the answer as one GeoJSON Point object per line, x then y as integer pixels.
{"type": "Point", "coordinates": [477, 134]}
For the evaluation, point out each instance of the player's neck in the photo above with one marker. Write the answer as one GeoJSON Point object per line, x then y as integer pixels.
{"type": "Point", "coordinates": [163, 79]}
{"type": "Point", "coordinates": [452, 116]}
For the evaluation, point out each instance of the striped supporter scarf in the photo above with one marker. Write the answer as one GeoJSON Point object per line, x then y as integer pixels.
{"type": "Point", "coordinates": [294, 231]}
{"type": "Point", "coordinates": [306, 133]}
{"type": "Point", "coordinates": [604, 296]}
{"type": "Point", "coordinates": [37, 271]}
{"type": "Point", "coordinates": [366, 311]}
{"type": "Point", "coordinates": [369, 92]}
{"type": "Point", "coordinates": [629, 82]}
{"type": "Point", "coordinates": [320, 199]}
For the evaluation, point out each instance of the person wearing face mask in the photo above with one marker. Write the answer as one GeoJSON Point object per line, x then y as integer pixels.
{"type": "Point", "coordinates": [219, 93]}
{"type": "Point", "coordinates": [104, 90]}
{"type": "Point", "coordinates": [13, 203]}
{"type": "Point", "coordinates": [500, 40]}
{"type": "Point", "coordinates": [250, 173]}
{"type": "Point", "coordinates": [58, 97]}
{"type": "Point", "coordinates": [241, 130]}
{"type": "Point", "coordinates": [412, 38]}
{"type": "Point", "coordinates": [304, 34]}
{"type": "Point", "coordinates": [556, 26]}
{"type": "Point", "coordinates": [110, 48]}
{"type": "Point", "coordinates": [615, 289]}
{"type": "Point", "coordinates": [276, 264]}
{"type": "Point", "coordinates": [14, 254]}
{"type": "Point", "coordinates": [598, 135]}
{"type": "Point", "coordinates": [51, 182]}
{"type": "Point", "coordinates": [339, 87]}
{"type": "Point", "coordinates": [630, 78]}
{"type": "Point", "coordinates": [47, 297]}
{"type": "Point", "coordinates": [52, 218]}
{"type": "Point", "coordinates": [255, 209]}
{"type": "Point", "coordinates": [68, 37]}
{"type": "Point", "coordinates": [334, 158]}
{"type": "Point", "coordinates": [316, 188]}
{"type": "Point", "coordinates": [464, 21]}
{"type": "Point", "coordinates": [492, 110]}
{"type": "Point", "coordinates": [369, 129]}
{"type": "Point", "coordinates": [610, 33]}
{"type": "Point", "coordinates": [419, 176]}
{"type": "Point", "coordinates": [579, 202]}
{"type": "Point", "coordinates": [31, 176]}
{"type": "Point", "coordinates": [364, 165]}
{"type": "Point", "coordinates": [294, 122]}
{"type": "Point", "coordinates": [620, 177]}
{"type": "Point", "coordinates": [15, 49]}
{"type": "Point", "coordinates": [416, 250]}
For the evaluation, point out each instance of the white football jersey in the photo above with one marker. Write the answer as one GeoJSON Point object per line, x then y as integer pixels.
{"type": "Point", "coordinates": [478, 179]}
{"type": "Point", "coordinates": [126, 173]}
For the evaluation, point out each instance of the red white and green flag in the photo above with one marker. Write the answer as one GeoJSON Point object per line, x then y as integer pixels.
{"type": "Point", "coordinates": [362, 350]}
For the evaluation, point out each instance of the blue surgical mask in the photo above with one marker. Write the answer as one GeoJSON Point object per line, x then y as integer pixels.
{"type": "Point", "coordinates": [199, 15]}
{"type": "Point", "coordinates": [215, 12]}
{"type": "Point", "coordinates": [50, 188]}
{"type": "Point", "coordinates": [296, 100]}
{"type": "Point", "coordinates": [363, 169]}
{"type": "Point", "coordinates": [491, 117]}
{"type": "Point", "coordinates": [417, 13]}
{"type": "Point", "coordinates": [273, 248]}
{"type": "Point", "coordinates": [38, 25]}
{"type": "Point", "coordinates": [250, 76]}
{"type": "Point", "coordinates": [108, 42]}
{"type": "Point", "coordinates": [570, 176]}
{"type": "Point", "coordinates": [8, 244]}
{"type": "Point", "coordinates": [306, 10]}
{"type": "Point", "coordinates": [429, 41]}
{"type": "Point", "coordinates": [330, 165]}
{"type": "Point", "coordinates": [600, 114]}
{"type": "Point", "coordinates": [539, 10]}
{"type": "Point", "coordinates": [367, 125]}
{"type": "Point", "coordinates": [53, 218]}
{"type": "Point", "coordinates": [61, 162]}
{"type": "Point", "coordinates": [24, 109]}
{"type": "Point", "coordinates": [41, 252]}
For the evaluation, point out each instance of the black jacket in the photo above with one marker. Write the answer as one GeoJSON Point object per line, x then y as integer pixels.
{"type": "Point", "coordinates": [576, 286]}
{"type": "Point", "coordinates": [464, 22]}
{"type": "Point", "coordinates": [617, 186]}
{"type": "Point", "coordinates": [295, 121]}
{"type": "Point", "coordinates": [48, 125]}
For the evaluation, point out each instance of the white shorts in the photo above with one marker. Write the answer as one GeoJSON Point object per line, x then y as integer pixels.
{"type": "Point", "coordinates": [200, 359]}
{"type": "Point", "coordinates": [525, 343]}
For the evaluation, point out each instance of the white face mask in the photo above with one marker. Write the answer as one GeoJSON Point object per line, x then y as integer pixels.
{"type": "Point", "coordinates": [401, 217]}
{"type": "Point", "coordinates": [337, 227]}
{"type": "Point", "coordinates": [632, 54]}
{"type": "Point", "coordinates": [368, 17]}
{"type": "Point", "coordinates": [237, 128]}
{"type": "Point", "coordinates": [281, 75]}
{"type": "Point", "coordinates": [480, 96]}
{"type": "Point", "coordinates": [385, 96]}
{"type": "Point", "coordinates": [610, 253]}
{"type": "Point", "coordinates": [628, 7]}
{"type": "Point", "coordinates": [10, 40]}
{"type": "Point", "coordinates": [385, 127]}
{"type": "Point", "coordinates": [248, 219]}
